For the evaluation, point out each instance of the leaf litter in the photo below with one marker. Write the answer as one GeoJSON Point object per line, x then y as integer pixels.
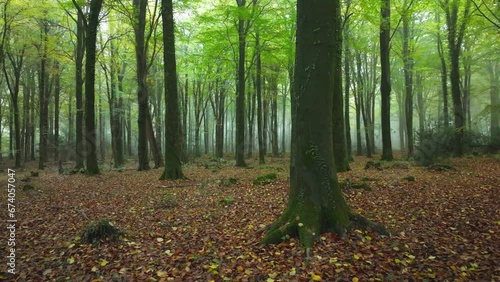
{"type": "Point", "coordinates": [445, 226]}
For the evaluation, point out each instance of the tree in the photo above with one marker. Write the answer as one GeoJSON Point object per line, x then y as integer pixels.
{"type": "Point", "coordinates": [385, 78]}
{"type": "Point", "coordinates": [315, 202]}
{"type": "Point", "coordinates": [338, 123]}
{"type": "Point", "coordinates": [173, 132]}
{"type": "Point", "coordinates": [240, 89]}
{"type": "Point", "coordinates": [90, 46]}
{"type": "Point", "coordinates": [456, 31]}
{"type": "Point", "coordinates": [81, 26]}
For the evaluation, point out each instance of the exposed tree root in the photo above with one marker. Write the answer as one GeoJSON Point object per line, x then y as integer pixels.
{"type": "Point", "coordinates": [360, 222]}
{"type": "Point", "coordinates": [287, 227]}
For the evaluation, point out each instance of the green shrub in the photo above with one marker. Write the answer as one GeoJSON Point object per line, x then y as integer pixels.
{"type": "Point", "coordinates": [265, 179]}
{"type": "Point", "coordinates": [95, 232]}
{"type": "Point", "coordinates": [168, 200]}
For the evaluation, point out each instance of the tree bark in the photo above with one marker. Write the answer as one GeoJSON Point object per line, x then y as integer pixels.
{"type": "Point", "coordinates": [455, 36]}
{"type": "Point", "coordinates": [140, 8]}
{"type": "Point", "coordinates": [385, 79]}
{"type": "Point", "coordinates": [315, 203]}
{"type": "Point", "coordinates": [90, 46]}
{"type": "Point", "coordinates": [339, 140]}
{"type": "Point", "coordinates": [173, 129]}
{"type": "Point", "coordinates": [81, 26]}
{"type": "Point", "coordinates": [240, 95]}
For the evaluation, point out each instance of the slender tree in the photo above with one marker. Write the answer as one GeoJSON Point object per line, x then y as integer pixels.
{"type": "Point", "coordinates": [90, 48]}
{"type": "Point", "coordinates": [240, 89]}
{"type": "Point", "coordinates": [140, 8]}
{"type": "Point", "coordinates": [385, 79]}
{"type": "Point", "coordinates": [173, 131]}
{"type": "Point", "coordinates": [455, 35]}
{"type": "Point", "coordinates": [339, 142]}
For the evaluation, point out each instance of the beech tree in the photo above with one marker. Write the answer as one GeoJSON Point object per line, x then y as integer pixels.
{"type": "Point", "coordinates": [385, 79]}
{"type": "Point", "coordinates": [173, 132]}
{"type": "Point", "coordinates": [315, 202]}
{"type": "Point", "coordinates": [90, 46]}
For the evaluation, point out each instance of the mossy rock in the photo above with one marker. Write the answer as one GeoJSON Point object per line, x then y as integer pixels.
{"type": "Point", "coordinates": [409, 178]}
{"type": "Point", "coordinates": [265, 179]}
{"type": "Point", "coordinates": [95, 232]}
{"type": "Point", "coordinates": [373, 165]}
{"type": "Point", "coordinates": [400, 165]}
{"type": "Point", "coordinates": [168, 200]}
{"type": "Point", "coordinates": [228, 182]}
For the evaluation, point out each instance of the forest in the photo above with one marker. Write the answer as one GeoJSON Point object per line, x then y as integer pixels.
{"type": "Point", "coordinates": [250, 140]}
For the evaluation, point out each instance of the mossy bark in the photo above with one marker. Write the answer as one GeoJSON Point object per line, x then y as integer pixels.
{"type": "Point", "coordinates": [173, 130]}
{"type": "Point", "coordinates": [315, 203]}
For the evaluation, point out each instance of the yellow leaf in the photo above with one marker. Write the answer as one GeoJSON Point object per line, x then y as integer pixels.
{"type": "Point", "coordinates": [315, 277]}
{"type": "Point", "coordinates": [431, 275]}
{"type": "Point", "coordinates": [104, 262]}
{"type": "Point", "coordinates": [273, 275]}
{"type": "Point", "coordinates": [70, 260]}
{"type": "Point", "coordinates": [355, 279]}
{"type": "Point", "coordinates": [161, 273]}
{"type": "Point", "coordinates": [123, 270]}
{"type": "Point", "coordinates": [270, 280]}
{"type": "Point", "coordinates": [94, 269]}
{"type": "Point", "coordinates": [159, 239]}
{"type": "Point", "coordinates": [357, 256]}
{"type": "Point", "coordinates": [293, 272]}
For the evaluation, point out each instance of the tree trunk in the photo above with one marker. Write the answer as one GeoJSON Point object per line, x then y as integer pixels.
{"type": "Point", "coordinates": [57, 94]}
{"type": "Point", "coordinates": [90, 46]}
{"type": "Point", "coordinates": [80, 53]}
{"type": "Point", "coordinates": [315, 203]}
{"type": "Point", "coordinates": [43, 99]}
{"type": "Point", "coordinates": [385, 79]}
{"type": "Point", "coordinates": [493, 73]}
{"type": "Point", "coordinates": [339, 142]}
{"type": "Point", "coordinates": [444, 80]}
{"type": "Point", "coordinates": [258, 90]}
{"type": "Point", "coordinates": [155, 147]}
{"type": "Point", "coordinates": [455, 38]}
{"type": "Point", "coordinates": [140, 8]}
{"type": "Point", "coordinates": [347, 71]}
{"type": "Point", "coordinates": [173, 129]}
{"type": "Point", "coordinates": [408, 75]}
{"type": "Point", "coordinates": [13, 84]}
{"type": "Point", "coordinates": [240, 89]}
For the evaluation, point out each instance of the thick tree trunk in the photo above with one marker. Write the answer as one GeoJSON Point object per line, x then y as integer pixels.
{"type": "Point", "coordinates": [385, 79]}
{"type": "Point", "coordinates": [57, 94]}
{"type": "Point", "coordinates": [408, 75]}
{"type": "Point", "coordinates": [315, 203]}
{"type": "Point", "coordinates": [258, 89]}
{"type": "Point", "coordinates": [455, 38]}
{"type": "Point", "coordinates": [347, 85]}
{"type": "Point", "coordinates": [155, 147]}
{"type": "Point", "coordinates": [339, 141]}
{"type": "Point", "coordinates": [444, 83]}
{"type": "Point", "coordinates": [43, 99]}
{"type": "Point", "coordinates": [80, 52]}
{"type": "Point", "coordinates": [140, 8]}
{"type": "Point", "coordinates": [90, 46]}
{"type": "Point", "coordinates": [251, 118]}
{"type": "Point", "coordinates": [493, 73]}
{"type": "Point", "coordinates": [173, 129]}
{"type": "Point", "coordinates": [240, 95]}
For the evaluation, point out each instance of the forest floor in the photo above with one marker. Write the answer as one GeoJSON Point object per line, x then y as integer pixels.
{"type": "Point", "coordinates": [445, 225]}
